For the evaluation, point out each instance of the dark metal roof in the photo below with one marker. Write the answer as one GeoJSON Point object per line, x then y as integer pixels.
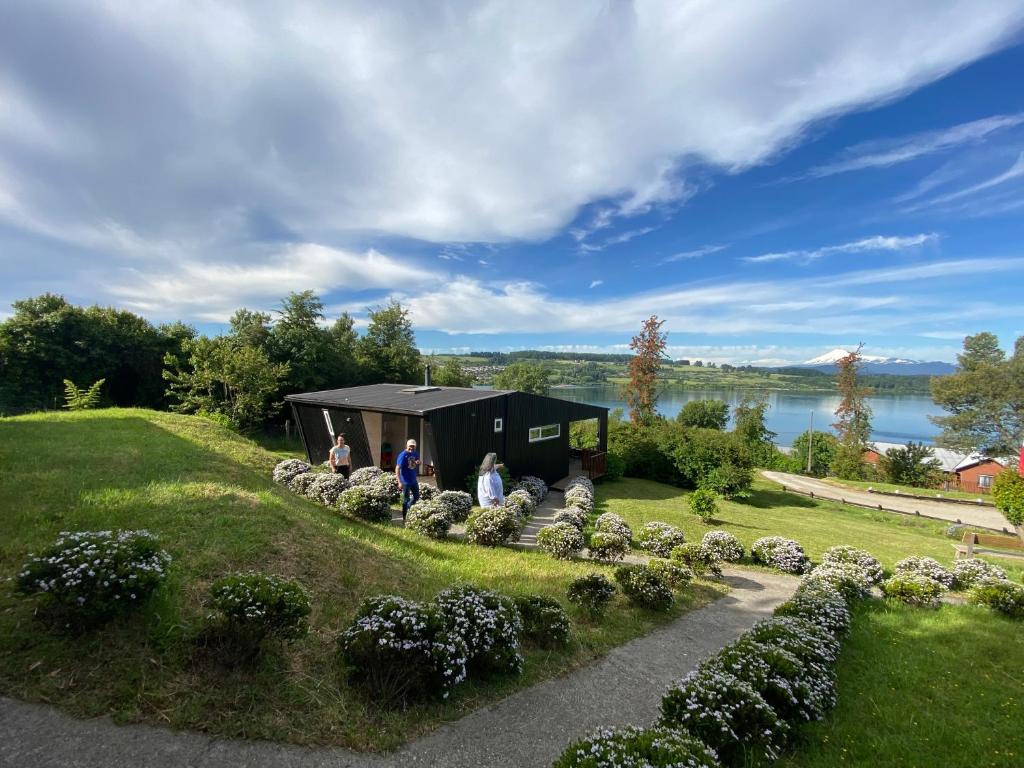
{"type": "Point", "coordinates": [396, 398]}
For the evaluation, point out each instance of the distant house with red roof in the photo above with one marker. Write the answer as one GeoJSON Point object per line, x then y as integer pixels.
{"type": "Point", "coordinates": [970, 472]}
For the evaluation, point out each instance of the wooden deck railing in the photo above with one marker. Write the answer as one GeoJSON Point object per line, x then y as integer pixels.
{"type": "Point", "coordinates": [594, 463]}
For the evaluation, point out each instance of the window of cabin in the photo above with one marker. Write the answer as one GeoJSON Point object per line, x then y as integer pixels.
{"type": "Point", "coordinates": [499, 425]}
{"type": "Point", "coordinates": [985, 481]}
{"type": "Point", "coordinates": [547, 432]}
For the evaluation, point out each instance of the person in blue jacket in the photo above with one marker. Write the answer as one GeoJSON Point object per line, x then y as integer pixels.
{"type": "Point", "coordinates": [407, 471]}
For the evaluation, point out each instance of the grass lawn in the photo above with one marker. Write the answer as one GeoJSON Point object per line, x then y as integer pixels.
{"type": "Point", "coordinates": [207, 494]}
{"type": "Point", "coordinates": [931, 492]}
{"type": "Point", "coordinates": [923, 688]}
{"type": "Point", "coordinates": [815, 523]}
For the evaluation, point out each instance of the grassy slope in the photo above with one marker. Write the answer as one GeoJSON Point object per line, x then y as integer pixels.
{"type": "Point", "coordinates": [816, 524]}
{"type": "Point", "coordinates": [207, 494]}
{"type": "Point", "coordinates": [924, 688]}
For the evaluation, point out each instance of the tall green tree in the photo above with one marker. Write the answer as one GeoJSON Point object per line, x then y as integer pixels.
{"type": "Point", "coordinates": [251, 329]}
{"type": "Point", "coordinates": [523, 376]}
{"type": "Point", "coordinates": [853, 419]}
{"type": "Point", "coordinates": [451, 374]}
{"type": "Point", "coordinates": [984, 398]}
{"type": "Point", "coordinates": [387, 351]}
{"type": "Point", "coordinates": [641, 391]}
{"type": "Point", "coordinates": [914, 465]}
{"type": "Point", "coordinates": [707, 414]}
{"type": "Point", "coordinates": [751, 428]}
{"type": "Point", "coordinates": [822, 448]}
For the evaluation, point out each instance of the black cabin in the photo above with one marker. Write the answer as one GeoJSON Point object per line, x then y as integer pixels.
{"type": "Point", "coordinates": [453, 426]}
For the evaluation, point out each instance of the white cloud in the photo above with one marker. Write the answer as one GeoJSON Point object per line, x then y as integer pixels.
{"type": "Point", "coordinates": [697, 253]}
{"type": "Point", "coordinates": [595, 283]}
{"type": "Point", "coordinates": [875, 243]}
{"type": "Point", "coordinates": [886, 153]}
{"type": "Point", "coordinates": [492, 121]}
{"type": "Point", "coordinates": [1015, 171]}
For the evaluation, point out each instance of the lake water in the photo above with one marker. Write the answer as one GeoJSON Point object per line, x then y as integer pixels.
{"type": "Point", "coordinates": [895, 419]}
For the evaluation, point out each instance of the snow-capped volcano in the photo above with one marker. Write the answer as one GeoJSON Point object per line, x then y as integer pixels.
{"type": "Point", "coordinates": [878, 364]}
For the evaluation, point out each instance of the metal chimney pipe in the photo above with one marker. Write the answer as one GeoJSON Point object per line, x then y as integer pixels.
{"type": "Point", "coordinates": [426, 376]}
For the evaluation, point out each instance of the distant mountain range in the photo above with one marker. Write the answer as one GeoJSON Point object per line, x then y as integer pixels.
{"type": "Point", "coordinates": [897, 366]}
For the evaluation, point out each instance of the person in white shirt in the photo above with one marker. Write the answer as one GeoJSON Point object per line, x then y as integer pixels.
{"type": "Point", "coordinates": [489, 490]}
{"type": "Point", "coordinates": [340, 458]}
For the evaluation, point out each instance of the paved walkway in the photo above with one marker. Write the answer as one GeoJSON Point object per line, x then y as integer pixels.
{"type": "Point", "coordinates": [983, 516]}
{"type": "Point", "coordinates": [529, 728]}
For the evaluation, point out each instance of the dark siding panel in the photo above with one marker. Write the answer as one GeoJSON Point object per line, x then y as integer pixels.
{"type": "Point", "coordinates": [548, 459]}
{"type": "Point", "coordinates": [318, 439]}
{"type": "Point", "coordinates": [462, 435]}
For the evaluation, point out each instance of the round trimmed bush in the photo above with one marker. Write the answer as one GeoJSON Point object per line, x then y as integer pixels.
{"type": "Point", "coordinates": [970, 571]}
{"type": "Point", "coordinates": [607, 546]}
{"type": "Point", "coordinates": [698, 558]}
{"type": "Point", "coordinates": [579, 496]}
{"type": "Point", "coordinates": [849, 579]}
{"type": "Point", "coordinates": [865, 561]}
{"type": "Point", "coordinates": [534, 486]}
{"type": "Point", "coordinates": [386, 485]}
{"type": "Point", "coordinates": [723, 546]}
{"type": "Point", "coordinates": [257, 606]}
{"type": "Point", "coordinates": [522, 502]}
{"type": "Point", "coordinates": [491, 526]}
{"type": "Point", "coordinates": [913, 588]}
{"type": "Point", "coordinates": [545, 623]}
{"type": "Point", "coordinates": [926, 566]}
{"type": "Point", "coordinates": [561, 540]}
{"type": "Point", "coordinates": [633, 747]}
{"type": "Point", "coordinates": [458, 504]}
{"type": "Point", "coordinates": [581, 481]}
{"type": "Point", "coordinates": [782, 553]}
{"type": "Point", "coordinates": [609, 522]}
{"type": "Point", "coordinates": [428, 492]}
{"type": "Point", "coordinates": [592, 593]}
{"type": "Point", "coordinates": [365, 475]}
{"type": "Point", "coordinates": [725, 713]}
{"type": "Point", "coordinates": [644, 588]}
{"type": "Point", "coordinates": [675, 575]}
{"type": "Point", "coordinates": [806, 640]}
{"type": "Point", "coordinates": [573, 516]}
{"type": "Point", "coordinates": [325, 488]}
{"type": "Point", "coordinates": [301, 482]}
{"type": "Point", "coordinates": [999, 594]}
{"type": "Point", "coordinates": [428, 518]}
{"type": "Point", "coordinates": [489, 624]}
{"type": "Point", "coordinates": [659, 538]}
{"type": "Point", "coordinates": [703, 503]}
{"type": "Point", "coordinates": [365, 502]}
{"type": "Point", "coordinates": [821, 604]}
{"type": "Point", "coordinates": [92, 575]}
{"type": "Point", "coordinates": [285, 471]}
{"type": "Point", "coordinates": [400, 650]}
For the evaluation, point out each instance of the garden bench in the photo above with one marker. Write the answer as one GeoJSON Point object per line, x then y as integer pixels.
{"type": "Point", "coordinates": [966, 548]}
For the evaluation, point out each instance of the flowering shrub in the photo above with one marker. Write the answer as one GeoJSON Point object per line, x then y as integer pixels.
{"type": "Point", "coordinates": [300, 483]}
{"type": "Point", "coordinates": [723, 546]}
{"type": "Point", "coordinates": [847, 578]}
{"type": "Point", "coordinates": [561, 540]}
{"type": "Point", "coordinates": [703, 503]}
{"type": "Point", "coordinates": [913, 588]}
{"type": "Point", "coordinates": [865, 561]}
{"type": "Point", "coordinates": [778, 552]}
{"type": "Point", "coordinates": [545, 623]}
{"type": "Point", "coordinates": [522, 502]}
{"type": "Point", "coordinates": [579, 496]}
{"type": "Point", "coordinates": [926, 566]}
{"type": "Point", "coordinates": [363, 501]}
{"type": "Point", "coordinates": [324, 488]}
{"type": "Point", "coordinates": [999, 594]}
{"type": "Point", "coordinates": [581, 481]}
{"type": "Point", "coordinates": [643, 587]}
{"type": "Point", "coordinates": [489, 624]}
{"type": "Point", "coordinates": [256, 606]}
{"type": "Point", "coordinates": [428, 518]}
{"type": "Point", "coordinates": [607, 546]}
{"type": "Point", "coordinates": [809, 642]}
{"type": "Point", "coordinates": [365, 475]}
{"type": "Point", "coordinates": [91, 575]}
{"type": "Point", "coordinates": [725, 713]}
{"type": "Point", "coordinates": [675, 575]}
{"type": "Point", "coordinates": [698, 558]}
{"type": "Point", "coordinates": [458, 504]}
{"type": "Point", "coordinates": [796, 691]}
{"type": "Point", "coordinates": [609, 522]}
{"type": "Point", "coordinates": [821, 604]}
{"type": "Point", "coordinates": [398, 650]}
{"type": "Point", "coordinates": [386, 485]}
{"type": "Point", "coordinates": [573, 516]}
{"type": "Point", "coordinates": [633, 747]}
{"type": "Point", "coordinates": [288, 469]}
{"type": "Point", "coordinates": [972, 570]}
{"type": "Point", "coordinates": [592, 593]}
{"type": "Point", "coordinates": [534, 486]}
{"type": "Point", "coordinates": [659, 538]}
{"type": "Point", "coordinates": [492, 526]}
{"type": "Point", "coordinates": [429, 492]}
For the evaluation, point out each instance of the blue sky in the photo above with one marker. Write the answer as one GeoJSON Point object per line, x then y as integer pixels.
{"type": "Point", "coordinates": [773, 179]}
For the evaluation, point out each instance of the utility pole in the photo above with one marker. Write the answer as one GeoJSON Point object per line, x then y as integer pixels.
{"type": "Point", "coordinates": [810, 443]}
